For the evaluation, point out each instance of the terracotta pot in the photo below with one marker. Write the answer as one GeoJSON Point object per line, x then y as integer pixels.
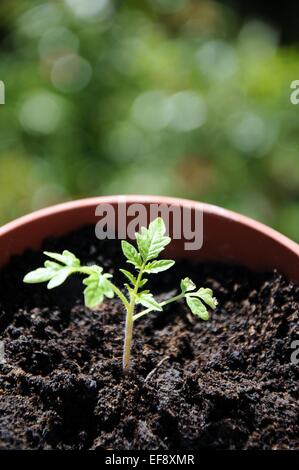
{"type": "Point", "coordinates": [228, 236]}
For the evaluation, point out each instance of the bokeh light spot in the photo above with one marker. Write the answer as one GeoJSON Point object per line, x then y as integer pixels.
{"type": "Point", "coordinates": [89, 9]}
{"type": "Point", "coordinates": [126, 142]}
{"type": "Point", "coordinates": [187, 111]}
{"type": "Point", "coordinates": [71, 73]}
{"type": "Point", "coordinates": [217, 60]}
{"type": "Point", "coordinates": [257, 40]}
{"type": "Point", "coordinates": [247, 131]}
{"type": "Point", "coordinates": [56, 42]}
{"type": "Point", "coordinates": [41, 112]}
{"type": "Point", "coordinates": [150, 110]}
{"type": "Point", "coordinates": [35, 21]}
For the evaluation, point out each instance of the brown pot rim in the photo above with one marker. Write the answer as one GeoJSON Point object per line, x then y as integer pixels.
{"type": "Point", "coordinates": [229, 237]}
{"type": "Point", "coordinates": [205, 207]}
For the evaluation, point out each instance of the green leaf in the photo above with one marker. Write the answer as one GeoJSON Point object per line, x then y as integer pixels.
{"type": "Point", "coordinates": [39, 275]}
{"type": "Point", "coordinates": [93, 295]}
{"type": "Point", "coordinates": [207, 296]}
{"type": "Point", "coordinates": [129, 289]}
{"type": "Point", "coordinates": [43, 274]}
{"type": "Point", "coordinates": [143, 282]}
{"type": "Point", "coordinates": [152, 241]}
{"type": "Point", "coordinates": [52, 265]}
{"type": "Point", "coordinates": [158, 266]}
{"type": "Point", "coordinates": [106, 286]}
{"type": "Point", "coordinates": [187, 285]}
{"type": "Point", "coordinates": [146, 299]}
{"type": "Point", "coordinates": [131, 254]}
{"type": "Point", "coordinates": [56, 272]}
{"type": "Point", "coordinates": [197, 307]}
{"type": "Point", "coordinates": [66, 257]}
{"type": "Point", "coordinates": [97, 287]}
{"type": "Point", "coordinates": [129, 276]}
{"type": "Point", "coordinates": [142, 242]}
{"type": "Point", "coordinates": [59, 277]}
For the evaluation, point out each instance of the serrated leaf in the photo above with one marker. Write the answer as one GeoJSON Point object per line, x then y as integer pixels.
{"type": "Point", "coordinates": [207, 296]}
{"type": "Point", "coordinates": [142, 242]}
{"type": "Point", "coordinates": [43, 274]}
{"type": "Point", "coordinates": [93, 296]}
{"type": "Point", "coordinates": [39, 275]}
{"type": "Point", "coordinates": [52, 265]}
{"type": "Point", "coordinates": [152, 241]}
{"type": "Point", "coordinates": [97, 287]}
{"type": "Point", "coordinates": [106, 286]}
{"type": "Point", "coordinates": [187, 285]}
{"type": "Point", "coordinates": [71, 259]}
{"type": "Point", "coordinates": [158, 266]}
{"type": "Point", "coordinates": [146, 299]}
{"type": "Point", "coordinates": [197, 307]}
{"type": "Point", "coordinates": [129, 288]}
{"type": "Point", "coordinates": [143, 282]}
{"type": "Point", "coordinates": [129, 276]}
{"type": "Point", "coordinates": [145, 291]}
{"type": "Point", "coordinates": [95, 269]}
{"type": "Point", "coordinates": [131, 254]}
{"type": "Point", "coordinates": [59, 277]}
{"type": "Point", "coordinates": [66, 257]}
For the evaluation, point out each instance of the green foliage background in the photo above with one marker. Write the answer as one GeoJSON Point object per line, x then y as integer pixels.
{"type": "Point", "coordinates": [170, 97]}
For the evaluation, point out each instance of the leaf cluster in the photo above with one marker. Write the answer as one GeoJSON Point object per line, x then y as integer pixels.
{"type": "Point", "coordinates": [151, 242]}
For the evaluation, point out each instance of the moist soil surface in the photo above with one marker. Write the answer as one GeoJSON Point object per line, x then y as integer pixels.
{"type": "Point", "coordinates": [223, 384]}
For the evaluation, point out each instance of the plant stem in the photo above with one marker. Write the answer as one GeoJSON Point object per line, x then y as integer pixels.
{"type": "Point", "coordinates": [129, 323]}
{"type": "Point", "coordinates": [128, 338]}
{"type": "Point", "coordinates": [162, 304]}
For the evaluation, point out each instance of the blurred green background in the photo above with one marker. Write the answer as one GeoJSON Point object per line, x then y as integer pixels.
{"type": "Point", "coordinates": [176, 97]}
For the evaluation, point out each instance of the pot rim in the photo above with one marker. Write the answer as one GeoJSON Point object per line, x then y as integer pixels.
{"type": "Point", "coordinates": [155, 199]}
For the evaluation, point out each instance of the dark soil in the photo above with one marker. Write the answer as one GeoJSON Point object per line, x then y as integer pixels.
{"type": "Point", "coordinates": [224, 384]}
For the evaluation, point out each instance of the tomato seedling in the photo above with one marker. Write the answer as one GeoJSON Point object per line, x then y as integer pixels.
{"type": "Point", "coordinates": [151, 242]}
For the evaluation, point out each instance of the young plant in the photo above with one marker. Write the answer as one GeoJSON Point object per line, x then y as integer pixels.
{"type": "Point", "coordinates": [98, 285]}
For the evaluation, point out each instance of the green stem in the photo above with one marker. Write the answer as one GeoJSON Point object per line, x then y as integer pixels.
{"type": "Point", "coordinates": [128, 338]}
{"type": "Point", "coordinates": [162, 304]}
{"type": "Point", "coordinates": [129, 323]}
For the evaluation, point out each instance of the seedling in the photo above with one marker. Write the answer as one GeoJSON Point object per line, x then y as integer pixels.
{"type": "Point", "coordinates": [98, 285]}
